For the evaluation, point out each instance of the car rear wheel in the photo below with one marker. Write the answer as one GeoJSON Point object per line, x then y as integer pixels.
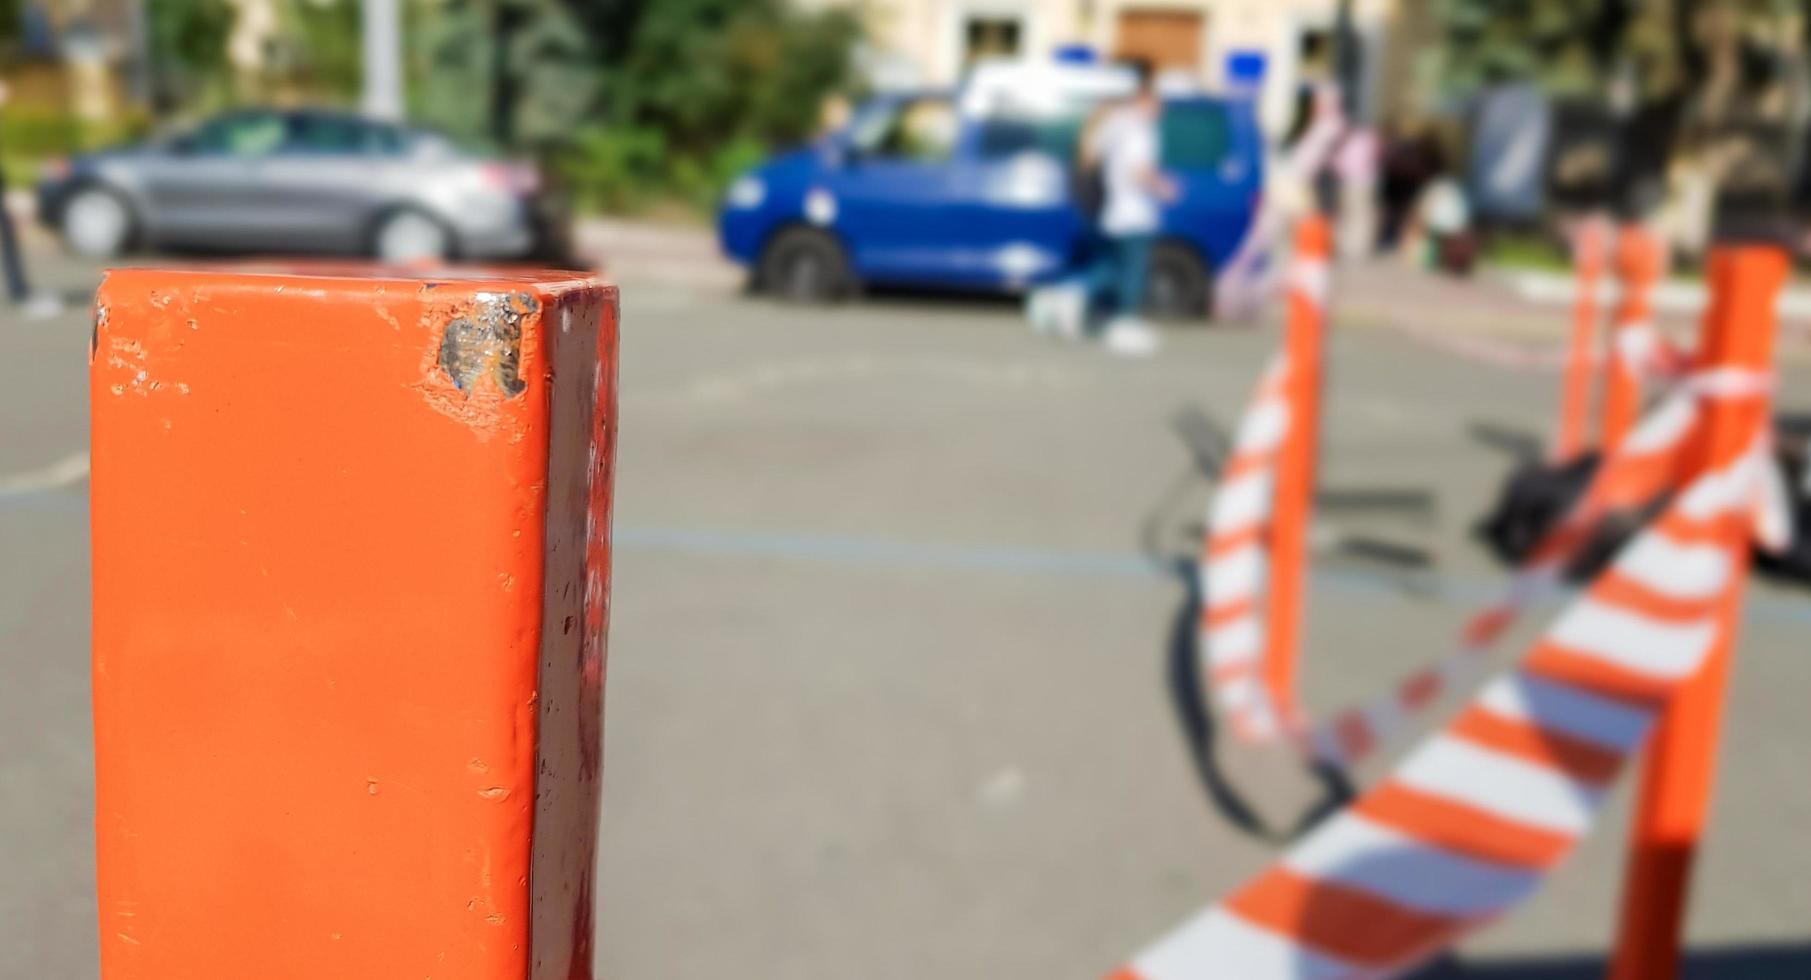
{"type": "Point", "coordinates": [96, 223]}
{"type": "Point", "coordinates": [1179, 285]}
{"type": "Point", "coordinates": [409, 236]}
{"type": "Point", "coordinates": [803, 265]}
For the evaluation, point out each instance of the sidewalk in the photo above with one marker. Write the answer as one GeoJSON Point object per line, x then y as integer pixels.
{"type": "Point", "coordinates": [672, 254]}
{"type": "Point", "coordinates": [1497, 317]}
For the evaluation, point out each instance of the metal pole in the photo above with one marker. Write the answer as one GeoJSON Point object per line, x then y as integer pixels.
{"type": "Point", "coordinates": [1680, 765]}
{"type": "Point", "coordinates": [1348, 57]}
{"type": "Point", "coordinates": [382, 41]}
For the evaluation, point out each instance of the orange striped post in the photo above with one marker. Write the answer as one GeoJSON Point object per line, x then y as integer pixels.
{"type": "Point", "coordinates": [1303, 343]}
{"type": "Point", "coordinates": [350, 541]}
{"type": "Point", "coordinates": [1590, 241]}
{"type": "Point", "coordinates": [1640, 260]}
{"type": "Point", "coordinates": [1680, 765]}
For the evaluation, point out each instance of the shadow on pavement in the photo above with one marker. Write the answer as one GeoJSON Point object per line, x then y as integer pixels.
{"type": "Point", "coordinates": [1745, 962]}
{"type": "Point", "coordinates": [1185, 666]}
{"type": "Point", "coordinates": [929, 298]}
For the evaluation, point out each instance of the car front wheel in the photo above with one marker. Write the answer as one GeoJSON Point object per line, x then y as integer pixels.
{"type": "Point", "coordinates": [96, 223]}
{"type": "Point", "coordinates": [804, 265]}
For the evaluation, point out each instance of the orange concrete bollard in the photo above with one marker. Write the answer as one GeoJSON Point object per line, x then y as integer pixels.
{"type": "Point", "coordinates": [350, 540]}
{"type": "Point", "coordinates": [1680, 763]}
{"type": "Point", "coordinates": [1640, 261]}
{"type": "Point", "coordinates": [1590, 241]}
{"type": "Point", "coordinates": [1304, 348]}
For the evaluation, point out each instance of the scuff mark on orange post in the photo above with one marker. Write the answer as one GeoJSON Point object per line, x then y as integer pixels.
{"type": "Point", "coordinates": [342, 728]}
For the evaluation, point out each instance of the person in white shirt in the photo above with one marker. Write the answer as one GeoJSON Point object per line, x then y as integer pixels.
{"type": "Point", "coordinates": [1127, 146]}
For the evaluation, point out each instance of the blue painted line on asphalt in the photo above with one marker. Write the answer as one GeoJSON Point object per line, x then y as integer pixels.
{"type": "Point", "coordinates": [882, 552]}
{"type": "Point", "coordinates": [51, 500]}
{"type": "Point", "coordinates": [891, 553]}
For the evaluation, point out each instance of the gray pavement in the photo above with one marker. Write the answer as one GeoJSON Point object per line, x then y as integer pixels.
{"type": "Point", "coordinates": [886, 694]}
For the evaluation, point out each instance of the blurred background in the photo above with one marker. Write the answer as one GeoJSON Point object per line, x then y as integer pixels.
{"type": "Point", "coordinates": [899, 581]}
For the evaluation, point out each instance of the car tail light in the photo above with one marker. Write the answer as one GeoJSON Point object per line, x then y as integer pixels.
{"type": "Point", "coordinates": [517, 178]}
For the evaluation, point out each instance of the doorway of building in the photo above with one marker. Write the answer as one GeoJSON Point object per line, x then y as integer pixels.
{"type": "Point", "coordinates": [1168, 39]}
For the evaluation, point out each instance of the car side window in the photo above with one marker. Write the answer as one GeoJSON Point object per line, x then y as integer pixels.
{"type": "Point", "coordinates": [1006, 136]}
{"type": "Point", "coordinates": [922, 130]}
{"type": "Point", "coordinates": [245, 135]}
{"type": "Point", "coordinates": [1195, 136]}
{"type": "Point", "coordinates": [341, 136]}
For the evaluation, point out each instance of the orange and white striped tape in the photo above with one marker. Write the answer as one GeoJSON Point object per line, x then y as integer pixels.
{"type": "Point", "coordinates": [1470, 822]}
{"type": "Point", "coordinates": [1235, 560]}
{"type": "Point", "coordinates": [1637, 471]}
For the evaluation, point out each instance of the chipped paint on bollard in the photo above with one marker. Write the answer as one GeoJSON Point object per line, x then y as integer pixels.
{"type": "Point", "coordinates": [350, 539]}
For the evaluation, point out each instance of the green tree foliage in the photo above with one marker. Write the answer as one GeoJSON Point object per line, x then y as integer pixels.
{"type": "Point", "coordinates": [325, 57]}
{"type": "Point", "coordinates": [512, 72]}
{"type": "Point", "coordinates": [702, 89]}
{"type": "Point", "coordinates": [187, 39]}
{"type": "Point", "coordinates": [10, 13]}
{"type": "Point", "coordinates": [1560, 44]}
{"type": "Point", "coordinates": [704, 71]}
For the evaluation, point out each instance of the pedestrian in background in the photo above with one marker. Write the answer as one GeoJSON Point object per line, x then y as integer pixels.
{"type": "Point", "coordinates": [1127, 145]}
{"type": "Point", "coordinates": [18, 291]}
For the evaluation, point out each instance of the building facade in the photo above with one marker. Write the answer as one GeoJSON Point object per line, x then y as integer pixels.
{"type": "Point", "coordinates": [1267, 47]}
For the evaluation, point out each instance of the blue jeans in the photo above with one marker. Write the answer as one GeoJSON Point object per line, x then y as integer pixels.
{"type": "Point", "coordinates": [1125, 262]}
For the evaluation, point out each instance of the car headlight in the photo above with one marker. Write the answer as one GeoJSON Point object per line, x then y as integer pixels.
{"type": "Point", "coordinates": [746, 192]}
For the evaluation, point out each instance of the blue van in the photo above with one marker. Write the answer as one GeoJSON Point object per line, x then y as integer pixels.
{"type": "Point", "coordinates": [972, 191]}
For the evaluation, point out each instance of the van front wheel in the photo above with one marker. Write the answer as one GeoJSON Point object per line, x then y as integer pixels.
{"type": "Point", "coordinates": [1179, 285]}
{"type": "Point", "coordinates": [804, 265]}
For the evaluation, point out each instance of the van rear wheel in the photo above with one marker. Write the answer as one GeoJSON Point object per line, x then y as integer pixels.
{"type": "Point", "coordinates": [1179, 285]}
{"type": "Point", "coordinates": [804, 265]}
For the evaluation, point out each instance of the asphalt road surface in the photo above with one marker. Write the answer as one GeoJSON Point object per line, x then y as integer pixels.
{"type": "Point", "coordinates": [887, 672]}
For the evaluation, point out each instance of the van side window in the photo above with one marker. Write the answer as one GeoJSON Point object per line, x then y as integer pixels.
{"type": "Point", "coordinates": [1196, 136]}
{"type": "Point", "coordinates": [1006, 136]}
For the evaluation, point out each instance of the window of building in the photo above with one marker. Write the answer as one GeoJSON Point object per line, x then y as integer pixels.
{"type": "Point", "coordinates": [991, 36]}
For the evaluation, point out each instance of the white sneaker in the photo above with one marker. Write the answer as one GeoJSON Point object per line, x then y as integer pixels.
{"type": "Point", "coordinates": [1130, 337]}
{"type": "Point", "coordinates": [1037, 310]}
{"type": "Point", "coordinates": [1070, 312]}
{"type": "Point", "coordinates": [41, 306]}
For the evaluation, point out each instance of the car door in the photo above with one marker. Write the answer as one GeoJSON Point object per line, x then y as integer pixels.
{"type": "Point", "coordinates": [205, 188]}
{"type": "Point", "coordinates": [1211, 151]}
{"type": "Point", "coordinates": [889, 196]}
{"type": "Point", "coordinates": [325, 184]}
{"type": "Point", "coordinates": [1014, 194]}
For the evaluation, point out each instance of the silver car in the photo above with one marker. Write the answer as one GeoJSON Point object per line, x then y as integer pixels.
{"type": "Point", "coordinates": [304, 181]}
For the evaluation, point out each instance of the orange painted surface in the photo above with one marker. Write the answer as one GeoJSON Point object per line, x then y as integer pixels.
{"type": "Point", "coordinates": [1640, 261]}
{"type": "Point", "coordinates": [1589, 245]}
{"type": "Point", "coordinates": [1679, 768]}
{"type": "Point", "coordinates": [1304, 340]}
{"type": "Point", "coordinates": [350, 578]}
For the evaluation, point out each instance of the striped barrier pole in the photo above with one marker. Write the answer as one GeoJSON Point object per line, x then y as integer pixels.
{"type": "Point", "coordinates": [1590, 241]}
{"type": "Point", "coordinates": [1637, 348]}
{"type": "Point", "coordinates": [1236, 569]}
{"type": "Point", "coordinates": [350, 572]}
{"type": "Point", "coordinates": [1676, 781]}
{"type": "Point", "coordinates": [1304, 352]}
{"type": "Point", "coordinates": [1469, 824]}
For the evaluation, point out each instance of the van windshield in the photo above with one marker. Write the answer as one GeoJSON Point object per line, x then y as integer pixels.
{"type": "Point", "coordinates": [922, 129]}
